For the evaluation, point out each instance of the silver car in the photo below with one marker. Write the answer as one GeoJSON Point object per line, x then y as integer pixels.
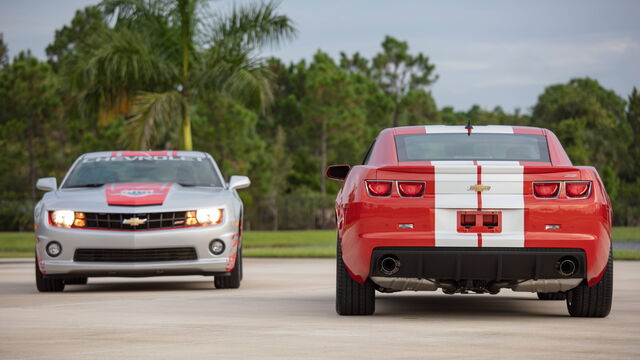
{"type": "Point", "coordinates": [139, 213]}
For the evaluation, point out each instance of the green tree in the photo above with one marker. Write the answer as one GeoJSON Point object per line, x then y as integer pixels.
{"type": "Point", "coordinates": [30, 124]}
{"type": "Point", "coordinates": [161, 57]}
{"type": "Point", "coordinates": [4, 53]}
{"type": "Point", "coordinates": [633, 117]}
{"type": "Point", "coordinates": [403, 77]}
{"type": "Point", "coordinates": [76, 38]}
{"type": "Point", "coordinates": [589, 121]}
{"type": "Point", "coordinates": [334, 119]}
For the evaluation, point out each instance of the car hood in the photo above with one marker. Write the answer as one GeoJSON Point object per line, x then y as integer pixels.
{"type": "Point", "coordinates": [137, 198]}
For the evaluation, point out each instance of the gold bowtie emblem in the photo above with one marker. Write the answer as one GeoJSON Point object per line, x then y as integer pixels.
{"type": "Point", "coordinates": [479, 187]}
{"type": "Point", "coordinates": [134, 221]}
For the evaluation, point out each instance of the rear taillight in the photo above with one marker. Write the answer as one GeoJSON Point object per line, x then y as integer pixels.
{"type": "Point", "coordinates": [379, 188]}
{"type": "Point", "coordinates": [411, 188]}
{"type": "Point", "coordinates": [578, 189]}
{"type": "Point", "coordinates": [546, 189]}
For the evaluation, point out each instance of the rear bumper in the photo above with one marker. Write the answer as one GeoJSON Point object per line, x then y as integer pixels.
{"type": "Point", "coordinates": [488, 264]}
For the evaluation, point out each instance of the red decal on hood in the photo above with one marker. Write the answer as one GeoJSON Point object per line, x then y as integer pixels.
{"type": "Point", "coordinates": [137, 194]}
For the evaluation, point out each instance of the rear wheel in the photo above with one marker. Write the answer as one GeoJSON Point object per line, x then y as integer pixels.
{"type": "Point", "coordinates": [231, 281]}
{"type": "Point", "coordinates": [595, 301]}
{"type": "Point", "coordinates": [47, 284]}
{"type": "Point", "coordinates": [352, 298]}
{"type": "Point", "coordinates": [552, 296]}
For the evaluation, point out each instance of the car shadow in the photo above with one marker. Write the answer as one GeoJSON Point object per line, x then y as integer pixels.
{"type": "Point", "coordinates": [141, 286]}
{"type": "Point", "coordinates": [466, 306]}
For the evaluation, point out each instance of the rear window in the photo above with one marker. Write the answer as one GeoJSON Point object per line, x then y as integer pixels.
{"type": "Point", "coordinates": [496, 147]}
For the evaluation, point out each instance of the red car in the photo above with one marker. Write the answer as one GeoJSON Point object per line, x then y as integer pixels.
{"type": "Point", "coordinates": [472, 209]}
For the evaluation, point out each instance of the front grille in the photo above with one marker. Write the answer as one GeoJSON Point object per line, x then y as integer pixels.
{"type": "Point", "coordinates": [135, 255]}
{"type": "Point", "coordinates": [153, 220]}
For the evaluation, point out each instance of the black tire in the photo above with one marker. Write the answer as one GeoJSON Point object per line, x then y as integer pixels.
{"type": "Point", "coordinates": [76, 281]}
{"type": "Point", "coordinates": [233, 280]}
{"type": "Point", "coordinates": [352, 298]}
{"type": "Point", "coordinates": [47, 284]}
{"type": "Point", "coordinates": [552, 296]}
{"type": "Point", "coordinates": [595, 301]}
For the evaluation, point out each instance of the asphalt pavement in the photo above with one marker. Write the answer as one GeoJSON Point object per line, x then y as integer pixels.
{"type": "Point", "coordinates": [285, 309]}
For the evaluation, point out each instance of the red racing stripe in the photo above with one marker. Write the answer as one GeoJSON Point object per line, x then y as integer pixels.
{"type": "Point", "coordinates": [479, 198]}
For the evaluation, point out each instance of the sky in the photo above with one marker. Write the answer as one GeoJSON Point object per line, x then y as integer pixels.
{"type": "Point", "coordinates": [490, 53]}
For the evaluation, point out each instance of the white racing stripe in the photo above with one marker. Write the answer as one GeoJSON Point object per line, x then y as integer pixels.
{"type": "Point", "coordinates": [505, 195]}
{"type": "Point", "coordinates": [457, 129]}
{"type": "Point", "coordinates": [452, 179]}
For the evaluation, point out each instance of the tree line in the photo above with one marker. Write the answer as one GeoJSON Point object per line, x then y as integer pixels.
{"type": "Point", "coordinates": [182, 75]}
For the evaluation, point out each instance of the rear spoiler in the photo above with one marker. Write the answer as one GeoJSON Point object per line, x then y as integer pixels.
{"type": "Point", "coordinates": [429, 169]}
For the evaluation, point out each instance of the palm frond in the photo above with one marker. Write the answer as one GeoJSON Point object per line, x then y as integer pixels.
{"type": "Point", "coordinates": [154, 114]}
{"type": "Point", "coordinates": [237, 75]}
{"type": "Point", "coordinates": [121, 65]}
{"type": "Point", "coordinates": [254, 25]}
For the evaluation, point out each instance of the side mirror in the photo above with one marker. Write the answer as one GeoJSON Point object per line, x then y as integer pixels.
{"type": "Point", "coordinates": [239, 182]}
{"type": "Point", "coordinates": [338, 172]}
{"type": "Point", "coordinates": [47, 184]}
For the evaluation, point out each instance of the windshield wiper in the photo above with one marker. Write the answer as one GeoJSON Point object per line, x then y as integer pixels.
{"type": "Point", "coordinates": [85, 185]}
{"type": "Point", "coordinates": [192, 185]}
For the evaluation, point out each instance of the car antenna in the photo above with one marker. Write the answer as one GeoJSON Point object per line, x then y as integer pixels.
{"type": "Point", "coordinates": [468, 127]}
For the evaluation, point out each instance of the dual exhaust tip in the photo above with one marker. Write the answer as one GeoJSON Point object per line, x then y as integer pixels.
{"type": "Point", "coordinates": [566, 266]}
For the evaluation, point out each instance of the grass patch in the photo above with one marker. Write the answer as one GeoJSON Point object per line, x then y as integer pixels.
{"type": "Point", "coordinates": [16, 244]}
{"type": "Point", "coordinates": [285, 244]}
{"type": "Point", "coordinates": [625, 233]}
{"type": "Point", "coordinates": [626, 254]}
{"type": "Point", "coordinates": [310, 243]}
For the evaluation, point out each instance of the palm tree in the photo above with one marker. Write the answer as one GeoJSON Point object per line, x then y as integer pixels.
{"type": "Point", "coordinates": [159, 56]}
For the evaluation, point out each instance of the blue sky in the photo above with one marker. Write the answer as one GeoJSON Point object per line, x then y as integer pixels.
{"type": "Point", "coordinates": [489, 53]}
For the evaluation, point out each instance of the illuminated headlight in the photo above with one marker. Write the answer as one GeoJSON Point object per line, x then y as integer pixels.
{"type": "Point", "coordinates": [63, 217]}
{"type": "Point", "coordinates": [209, 216]}
{"type": "Point", "coordinates": [68, 218]}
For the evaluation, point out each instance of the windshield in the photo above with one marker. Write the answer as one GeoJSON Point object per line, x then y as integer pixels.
{"type": "Point", "coordinates": [184, 170]}
{"type": "Point", "coordinates": [497, 147]}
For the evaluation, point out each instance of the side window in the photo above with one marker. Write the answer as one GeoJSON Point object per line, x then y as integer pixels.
{"type": "Point", "coordinates": [368, 154]}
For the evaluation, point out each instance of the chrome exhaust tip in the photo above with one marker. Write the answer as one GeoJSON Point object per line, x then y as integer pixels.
{"type": "Point", "coordinates": [567, 267]}
{"type": "Point", "coordinates": [389, 265]}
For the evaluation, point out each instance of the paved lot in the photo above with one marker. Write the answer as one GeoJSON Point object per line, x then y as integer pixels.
{"type": "Point", "coordinates": [285, 308]}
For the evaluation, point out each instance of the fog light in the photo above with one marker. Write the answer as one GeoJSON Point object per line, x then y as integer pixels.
{"type": "Point", "coordinates": [216, 247]}
{"type": "Point", "coordinates": [54, 248]}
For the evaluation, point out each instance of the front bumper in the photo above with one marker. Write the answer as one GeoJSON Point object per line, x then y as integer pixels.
{"type": "Point", "coordinates": [197, 238]}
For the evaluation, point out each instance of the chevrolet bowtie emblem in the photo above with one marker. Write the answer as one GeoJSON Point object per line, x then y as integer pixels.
{"type": "Point", "coordinates": [479, 187]}
{"type": "Point", "coordinates": [134, 221]}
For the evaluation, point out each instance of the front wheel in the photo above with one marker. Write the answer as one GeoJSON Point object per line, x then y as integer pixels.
{"type": "Point", "coordinates": [595, 301]}
{"type": "Point", "coordinates": [352, 298]}
{"type": "Point", "coordinates": [47, 284]}
{"type": "Point", "coordinates": [231, 281]}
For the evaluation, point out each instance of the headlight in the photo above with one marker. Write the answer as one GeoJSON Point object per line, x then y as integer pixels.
{"type": "Point", "coordinates": [209, 216]}
{"type": "Point", "coordinates": [63, 217]}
